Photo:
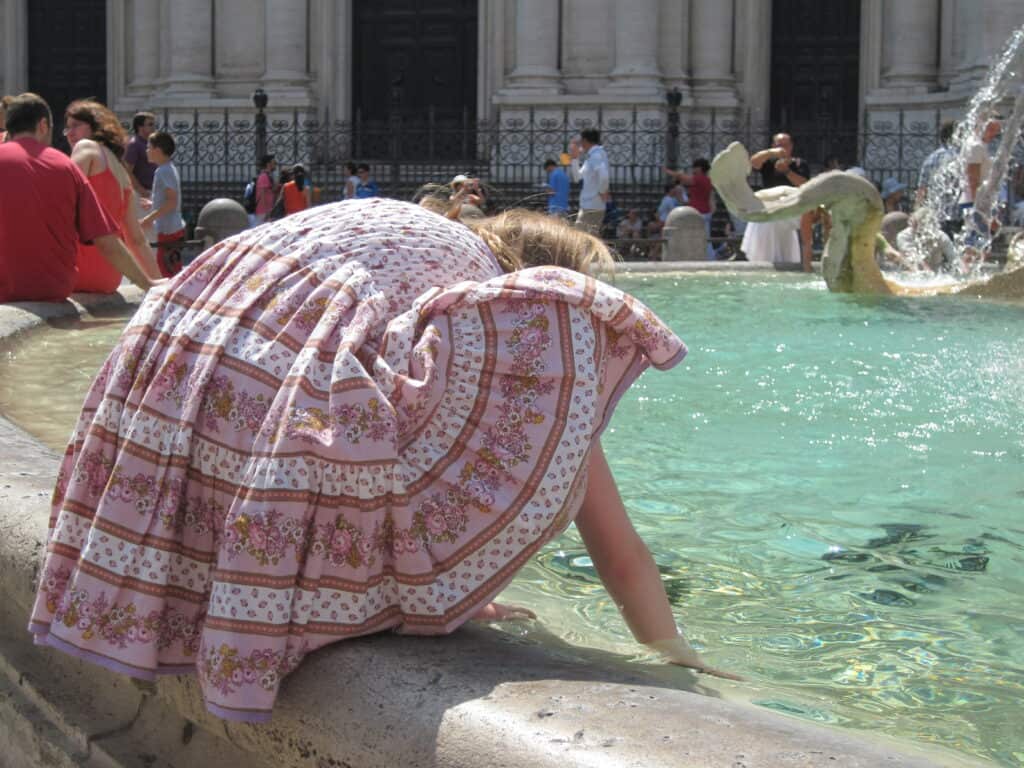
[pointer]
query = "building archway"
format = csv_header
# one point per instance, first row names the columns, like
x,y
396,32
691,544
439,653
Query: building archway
x,y
815,73
414,55
67,53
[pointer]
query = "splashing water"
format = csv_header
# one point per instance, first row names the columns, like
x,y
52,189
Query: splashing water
x,y
944,192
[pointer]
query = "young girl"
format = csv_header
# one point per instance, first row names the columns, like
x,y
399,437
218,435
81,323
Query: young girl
x,y
97,144
298,192
364,416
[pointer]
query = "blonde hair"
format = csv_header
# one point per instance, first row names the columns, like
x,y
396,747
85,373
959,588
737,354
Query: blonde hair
x,y
519,238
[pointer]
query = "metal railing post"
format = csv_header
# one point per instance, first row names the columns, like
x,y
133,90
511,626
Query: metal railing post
x,y
673,98
259,100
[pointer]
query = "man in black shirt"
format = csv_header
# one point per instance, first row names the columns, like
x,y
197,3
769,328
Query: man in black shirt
x,y
778,167
776,241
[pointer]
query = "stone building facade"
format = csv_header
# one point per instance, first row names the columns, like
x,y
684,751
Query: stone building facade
x,y
797,64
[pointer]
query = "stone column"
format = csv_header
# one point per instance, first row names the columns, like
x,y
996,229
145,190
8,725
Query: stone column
x,y
673,47
4,44
335,68
711,44
490,57
5,34
967,42
164,54
947,56
286,72
910,44
240,57
636,69
191,48
754,60
537,32
145,45
14,46
985,30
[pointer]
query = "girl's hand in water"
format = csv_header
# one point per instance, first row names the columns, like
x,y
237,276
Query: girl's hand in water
x,y
677,651
499,612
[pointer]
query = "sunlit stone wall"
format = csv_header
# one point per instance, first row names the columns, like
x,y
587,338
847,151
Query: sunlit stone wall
x,y
923,55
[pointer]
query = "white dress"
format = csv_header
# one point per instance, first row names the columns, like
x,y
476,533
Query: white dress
x,y
345,421
772,241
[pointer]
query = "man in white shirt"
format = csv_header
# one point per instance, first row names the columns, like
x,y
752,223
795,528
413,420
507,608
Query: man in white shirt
x,y
979,160
976,199
595,176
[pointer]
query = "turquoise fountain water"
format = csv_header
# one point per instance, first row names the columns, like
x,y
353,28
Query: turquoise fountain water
x,y
831,485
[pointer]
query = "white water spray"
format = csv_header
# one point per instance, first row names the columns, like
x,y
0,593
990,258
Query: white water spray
x,y
946,185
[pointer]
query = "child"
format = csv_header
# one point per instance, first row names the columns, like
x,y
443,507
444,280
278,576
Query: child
x,y
264,473
366,187
165,215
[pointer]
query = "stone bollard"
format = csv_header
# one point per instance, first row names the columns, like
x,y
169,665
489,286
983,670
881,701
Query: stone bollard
x,y
892,224
220,218
685,236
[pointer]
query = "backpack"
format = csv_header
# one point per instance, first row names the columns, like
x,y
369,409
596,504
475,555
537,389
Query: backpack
x,y
249,197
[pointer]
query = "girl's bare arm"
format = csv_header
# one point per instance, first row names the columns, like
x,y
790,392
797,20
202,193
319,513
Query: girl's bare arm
x,y
627,568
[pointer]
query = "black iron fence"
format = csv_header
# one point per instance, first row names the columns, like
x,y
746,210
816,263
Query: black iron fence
x,y
216,153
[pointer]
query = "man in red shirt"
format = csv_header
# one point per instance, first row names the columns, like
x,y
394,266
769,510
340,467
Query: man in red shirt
x,y
698,187
46,208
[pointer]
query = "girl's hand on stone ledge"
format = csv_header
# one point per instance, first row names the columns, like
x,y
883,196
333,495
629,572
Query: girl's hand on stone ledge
x,y
677,651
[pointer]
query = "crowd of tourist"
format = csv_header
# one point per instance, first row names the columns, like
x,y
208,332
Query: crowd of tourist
x,y
114,208
60,227
137,185
947,189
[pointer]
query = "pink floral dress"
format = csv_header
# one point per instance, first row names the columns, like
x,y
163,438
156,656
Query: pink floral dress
x,y
342,422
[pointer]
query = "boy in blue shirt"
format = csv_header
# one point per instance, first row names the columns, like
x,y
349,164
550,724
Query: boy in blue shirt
x,y
366,187
165,215
557,188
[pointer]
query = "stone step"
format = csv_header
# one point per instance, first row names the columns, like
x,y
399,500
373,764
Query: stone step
x,y
59,711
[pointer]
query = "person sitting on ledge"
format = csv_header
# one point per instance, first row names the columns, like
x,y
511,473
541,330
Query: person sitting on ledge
x,y
47,208
364,416
97,146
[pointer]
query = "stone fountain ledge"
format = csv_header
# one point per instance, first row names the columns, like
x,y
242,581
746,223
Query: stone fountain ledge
x,y
22,315
659,267
479,697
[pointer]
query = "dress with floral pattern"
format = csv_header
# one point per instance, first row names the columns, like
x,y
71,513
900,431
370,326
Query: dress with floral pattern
x,y
341,422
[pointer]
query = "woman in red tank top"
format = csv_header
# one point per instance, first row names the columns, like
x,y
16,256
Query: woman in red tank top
x,y
298,193
97,143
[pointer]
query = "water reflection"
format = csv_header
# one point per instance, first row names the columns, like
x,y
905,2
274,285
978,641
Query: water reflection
x,y
44,374
832,490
